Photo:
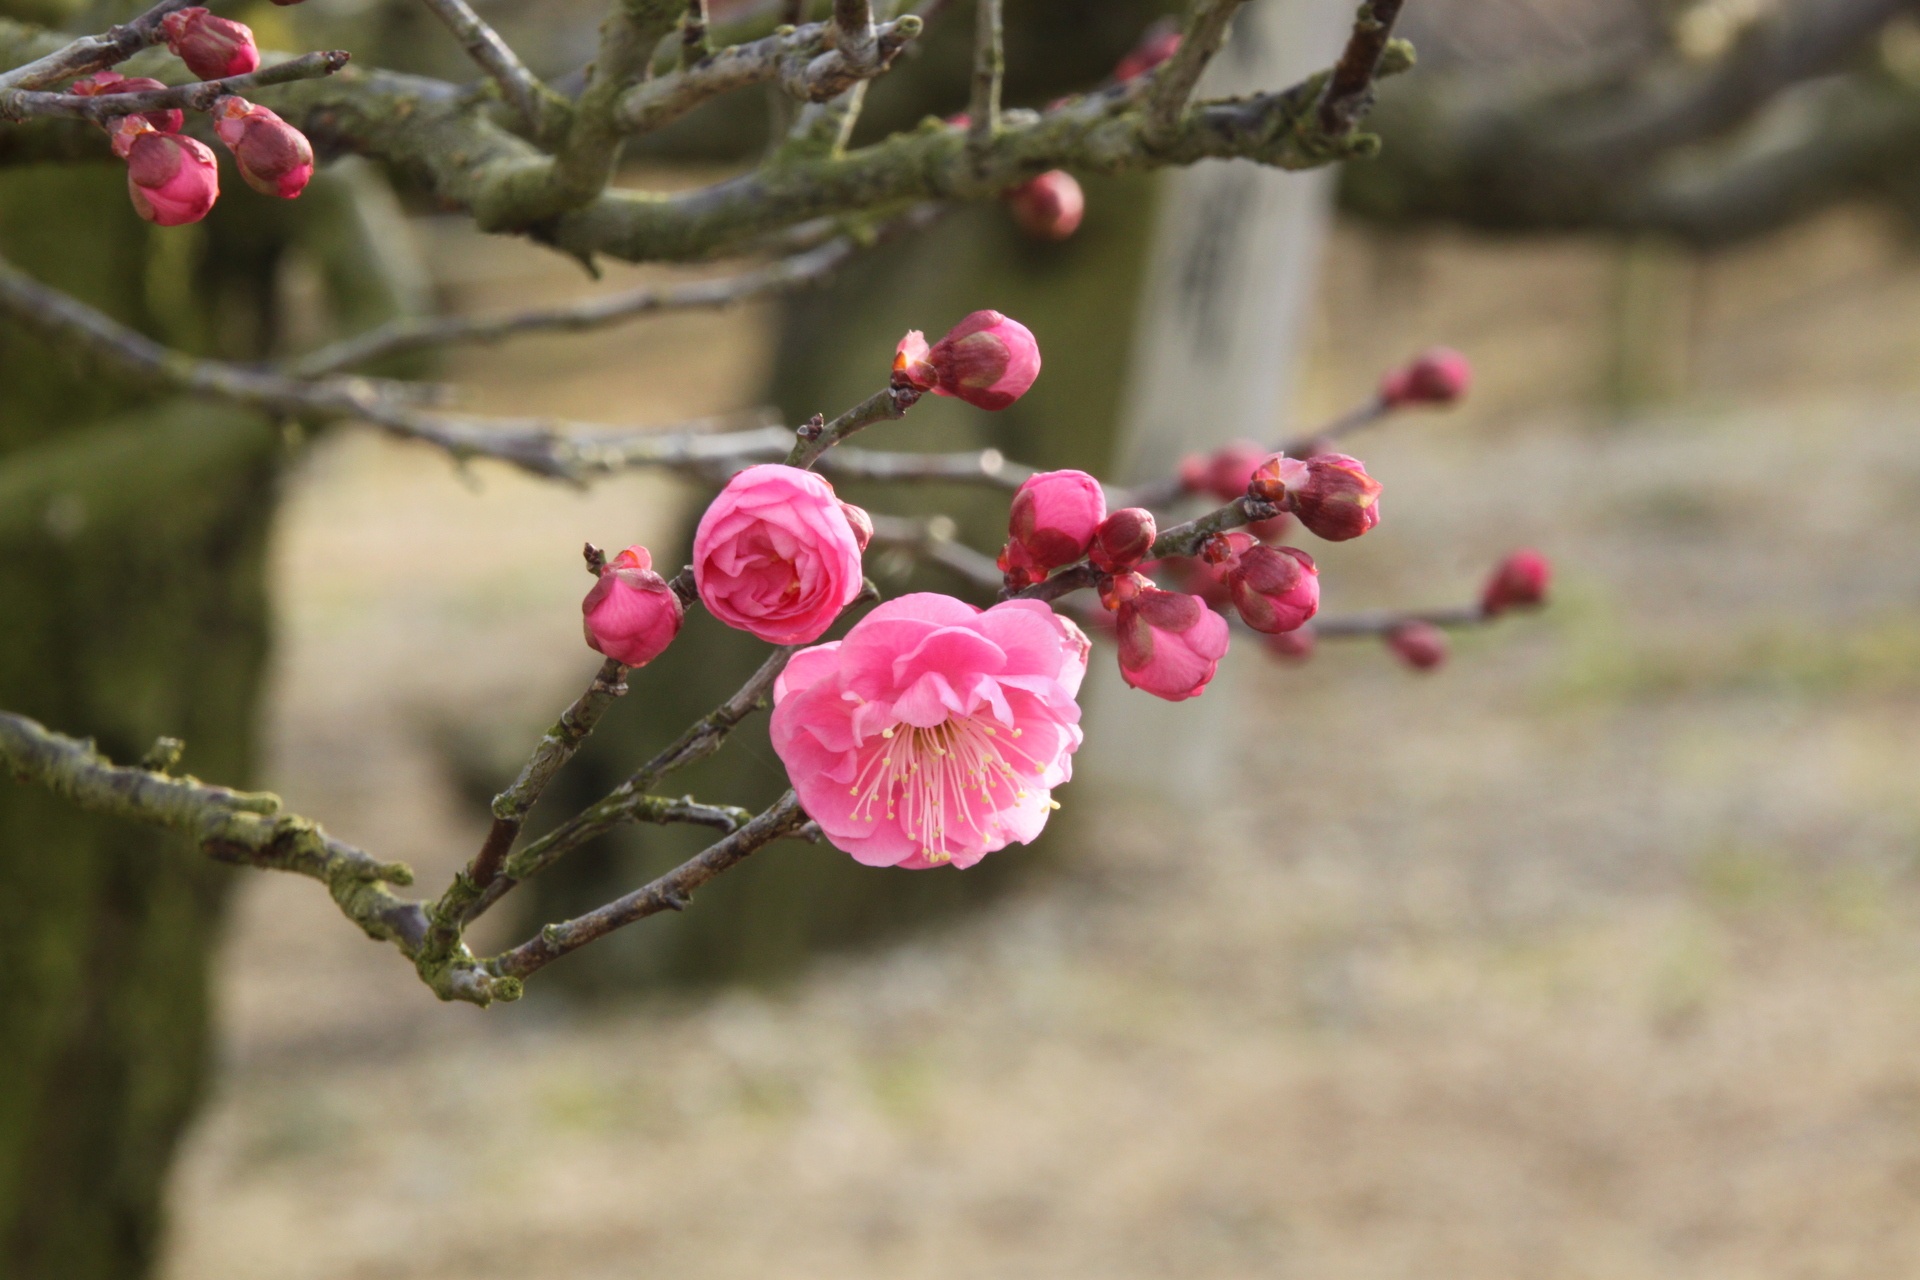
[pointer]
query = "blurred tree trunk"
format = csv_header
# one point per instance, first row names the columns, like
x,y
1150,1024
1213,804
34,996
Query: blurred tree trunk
x,y
133,536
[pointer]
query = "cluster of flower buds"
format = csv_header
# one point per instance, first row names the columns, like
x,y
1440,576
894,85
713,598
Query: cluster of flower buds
x,y
1275,589
171,178
213,48
987,359
631,614
1159,43
1050,524
1331,493
1439,376
274,157
1049,207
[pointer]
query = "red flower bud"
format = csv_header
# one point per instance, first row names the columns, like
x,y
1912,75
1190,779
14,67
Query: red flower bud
x,y
987,360
1170,644
1291,646
1331,493
1053,517
1016,565
171,178
1123,540
1438,376
1519,583
1048,207
631,614
1275,588
274,157
213,48
860,522
1155,47
1225,472
1420,645
168,120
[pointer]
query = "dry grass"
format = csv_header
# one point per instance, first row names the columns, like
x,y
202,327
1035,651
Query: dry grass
x,y
1595,956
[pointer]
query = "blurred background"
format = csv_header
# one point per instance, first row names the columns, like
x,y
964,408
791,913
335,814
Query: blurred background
x,y
1592,954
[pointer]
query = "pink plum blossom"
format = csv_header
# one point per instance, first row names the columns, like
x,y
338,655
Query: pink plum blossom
x,y
167,120
1123,540
1275,589
935,732
1519,582
1048,207
1170,644
274,157
987,359
1053,517
776,555
171,178
213,48
631,614
1331,493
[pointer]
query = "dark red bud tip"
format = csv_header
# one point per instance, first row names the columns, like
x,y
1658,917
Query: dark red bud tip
x,y
1420,645
1520,582
1159,43
1049,207
1123,540
1439,376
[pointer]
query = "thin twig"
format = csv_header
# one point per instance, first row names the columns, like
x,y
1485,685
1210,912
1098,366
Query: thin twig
x,y
989,67
935,540
1350,87
1174,80
693,33
816,438
1382,622
671,892
89,54
521,88
855,37
25,104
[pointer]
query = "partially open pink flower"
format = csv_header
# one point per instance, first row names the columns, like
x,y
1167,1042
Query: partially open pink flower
x,y
1170,644
1224,473
1053,516
1420,645
213,48
631,614
1331,493
168,120
274,157
775,555
934,733
171,178
1438,376
1519,583
1275,589
987,360
1048,207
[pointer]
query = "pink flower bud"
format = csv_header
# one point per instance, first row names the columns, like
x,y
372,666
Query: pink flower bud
x,y
1016,565
1225,472
1438,376
631,614
776,555
274,157
1331,493
1048,207
107,82
1291,646
1123,540
1155,47
1420,645
1520,582
1275,589
1170,644
171,178
1053,518
213,48
860,522
987,360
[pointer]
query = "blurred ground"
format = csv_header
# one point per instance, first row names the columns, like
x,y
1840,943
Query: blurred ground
x,y
1596,955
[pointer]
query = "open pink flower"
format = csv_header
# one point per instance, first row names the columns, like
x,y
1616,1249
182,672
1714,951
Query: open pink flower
x,y
935,732
1170,644
631,614
776,555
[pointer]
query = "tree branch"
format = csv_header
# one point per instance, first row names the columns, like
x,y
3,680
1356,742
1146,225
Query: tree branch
x,y
989,68
520,87
1174,80
89,54
1350,87
21,104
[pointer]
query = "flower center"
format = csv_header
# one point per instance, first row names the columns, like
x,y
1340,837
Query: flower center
x,y
943,782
